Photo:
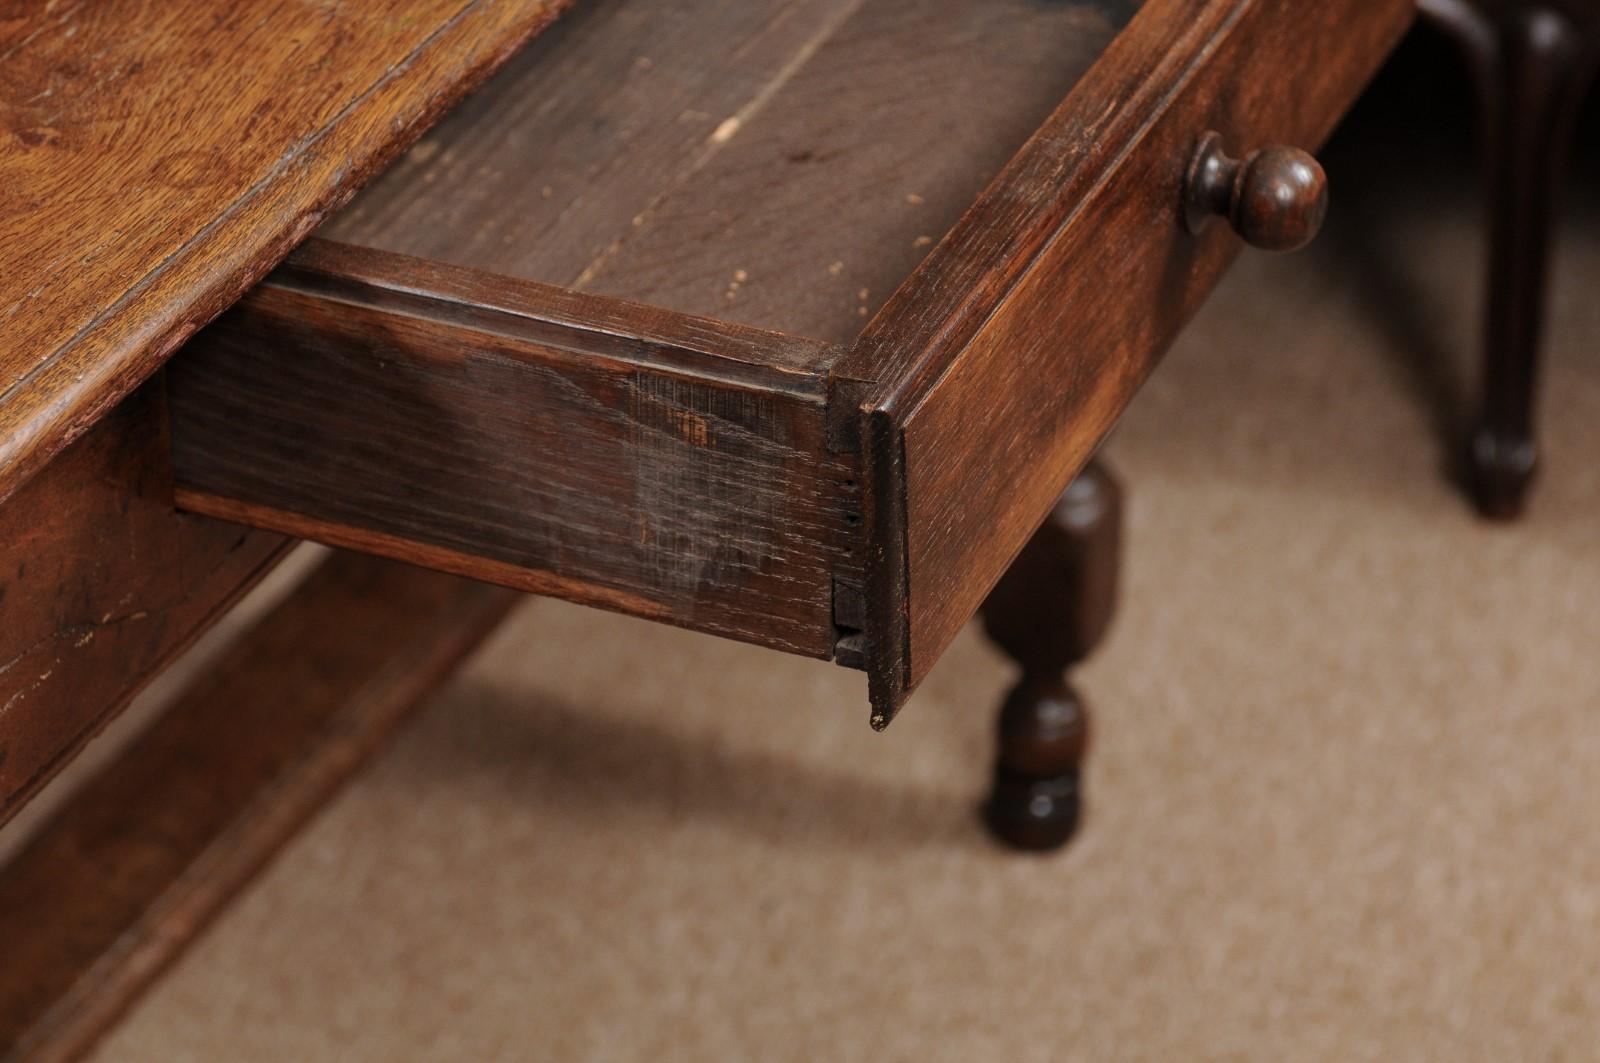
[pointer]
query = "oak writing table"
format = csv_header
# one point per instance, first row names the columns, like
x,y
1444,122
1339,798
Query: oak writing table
x,y
793,321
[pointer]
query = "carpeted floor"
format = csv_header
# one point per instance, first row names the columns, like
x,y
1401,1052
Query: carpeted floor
x,y
1345,789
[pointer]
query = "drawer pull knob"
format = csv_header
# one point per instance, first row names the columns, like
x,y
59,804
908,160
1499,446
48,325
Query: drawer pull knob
x,y
1275,198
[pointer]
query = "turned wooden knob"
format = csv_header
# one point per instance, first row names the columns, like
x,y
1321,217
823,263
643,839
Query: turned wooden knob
x,y
1275,198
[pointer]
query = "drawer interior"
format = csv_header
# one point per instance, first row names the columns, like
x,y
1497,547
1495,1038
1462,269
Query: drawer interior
x,y
777,163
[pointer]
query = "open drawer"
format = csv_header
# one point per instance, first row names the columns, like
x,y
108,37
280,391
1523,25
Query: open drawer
x,y
785,320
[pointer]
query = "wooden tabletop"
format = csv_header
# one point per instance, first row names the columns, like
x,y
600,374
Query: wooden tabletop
x,y
160,157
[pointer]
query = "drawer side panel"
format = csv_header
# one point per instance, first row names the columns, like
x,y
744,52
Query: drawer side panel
x,y
990,411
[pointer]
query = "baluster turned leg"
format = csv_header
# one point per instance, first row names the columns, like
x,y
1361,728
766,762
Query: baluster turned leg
x,y
1048,613
1530,62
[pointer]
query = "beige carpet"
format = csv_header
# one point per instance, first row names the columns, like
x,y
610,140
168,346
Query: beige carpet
x,y
1345,792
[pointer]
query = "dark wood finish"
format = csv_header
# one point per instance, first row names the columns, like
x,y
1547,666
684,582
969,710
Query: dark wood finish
x,y
859,505
615,454
819,151
1048,612
541,173
1275,198
729,185
101,584
1532,62
129,872
994,372
844,495
162,157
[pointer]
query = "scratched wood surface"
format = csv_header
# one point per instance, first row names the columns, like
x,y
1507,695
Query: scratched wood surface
x,y
791,177
819,151
158,158
797,178
101,583
615,454
132,869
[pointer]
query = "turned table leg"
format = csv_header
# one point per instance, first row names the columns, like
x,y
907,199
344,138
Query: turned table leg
x,y
1530,62
1048,612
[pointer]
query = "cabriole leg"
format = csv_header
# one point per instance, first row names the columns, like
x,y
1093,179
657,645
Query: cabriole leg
x,y
1531,64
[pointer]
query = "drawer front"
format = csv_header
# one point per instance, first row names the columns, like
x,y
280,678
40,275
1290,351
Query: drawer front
x,y
999,367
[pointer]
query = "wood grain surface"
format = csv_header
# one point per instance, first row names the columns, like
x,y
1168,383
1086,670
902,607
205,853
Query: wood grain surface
x,y
831,150
789,179
995,371
131,870
616,454
161,157
792,177
101,584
